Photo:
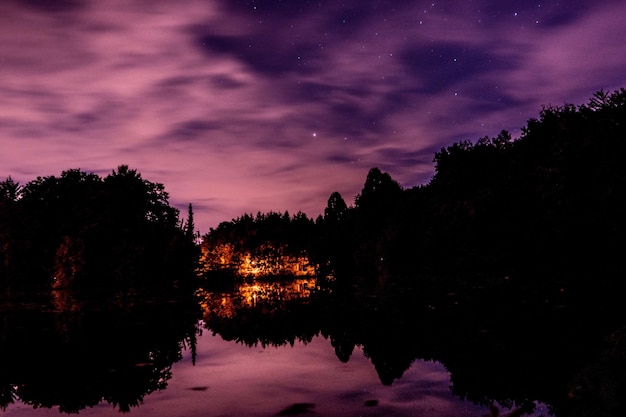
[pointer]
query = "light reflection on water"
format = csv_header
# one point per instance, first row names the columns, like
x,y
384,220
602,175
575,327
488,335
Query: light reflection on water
x,y
230,379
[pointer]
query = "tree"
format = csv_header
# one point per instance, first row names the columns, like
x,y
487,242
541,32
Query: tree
x,y
379,191
189,226
336,208
132,196
86,231
9,190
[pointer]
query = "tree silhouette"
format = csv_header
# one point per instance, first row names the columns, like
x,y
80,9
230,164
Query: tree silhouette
x,y
550,199
335,209
190,226
81,230
9,190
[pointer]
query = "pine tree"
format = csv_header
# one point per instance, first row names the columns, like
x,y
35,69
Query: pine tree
x,y
190,227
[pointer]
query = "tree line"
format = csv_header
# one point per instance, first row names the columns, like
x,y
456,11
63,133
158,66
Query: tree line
x,y
80,230
551,201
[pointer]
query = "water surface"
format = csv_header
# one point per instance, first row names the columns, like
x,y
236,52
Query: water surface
x,y
292,348
231,379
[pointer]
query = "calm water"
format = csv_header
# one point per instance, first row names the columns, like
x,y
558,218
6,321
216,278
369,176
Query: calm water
x,y
230,379
289,349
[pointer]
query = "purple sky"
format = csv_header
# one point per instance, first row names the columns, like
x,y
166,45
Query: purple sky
x,y
241,106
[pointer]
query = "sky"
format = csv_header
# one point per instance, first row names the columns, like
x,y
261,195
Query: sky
x,y
246,106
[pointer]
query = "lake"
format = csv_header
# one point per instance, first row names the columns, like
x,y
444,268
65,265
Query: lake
x,y
258,381
291,348
230,379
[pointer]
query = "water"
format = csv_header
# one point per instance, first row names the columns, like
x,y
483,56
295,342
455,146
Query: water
x,y
291,348
231,379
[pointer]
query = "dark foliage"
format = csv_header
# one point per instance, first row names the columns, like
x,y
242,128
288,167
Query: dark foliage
x,y
82,231
270,236
506,344
249,232
73,355
551,200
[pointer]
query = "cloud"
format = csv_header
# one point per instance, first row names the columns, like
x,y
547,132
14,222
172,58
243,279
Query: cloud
x,y
273,105
439,66
52,6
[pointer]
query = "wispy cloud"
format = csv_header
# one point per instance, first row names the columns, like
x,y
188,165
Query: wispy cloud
x,y
238,107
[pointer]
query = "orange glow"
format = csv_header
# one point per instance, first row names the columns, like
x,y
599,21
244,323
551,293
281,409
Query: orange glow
x,y
251,294
267,261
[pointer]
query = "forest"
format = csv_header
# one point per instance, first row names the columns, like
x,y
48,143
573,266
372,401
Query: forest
x,y
79,230
549,203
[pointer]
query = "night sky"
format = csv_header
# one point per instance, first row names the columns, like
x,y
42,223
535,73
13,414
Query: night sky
x,y
246,106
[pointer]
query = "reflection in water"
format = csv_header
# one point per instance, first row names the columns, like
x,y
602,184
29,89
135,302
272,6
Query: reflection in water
x,y
249,381
303,348
269,313
233,380
250,293
76,354
506,344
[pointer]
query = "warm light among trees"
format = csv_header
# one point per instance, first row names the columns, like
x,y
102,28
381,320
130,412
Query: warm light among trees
x,y
266,260
270,244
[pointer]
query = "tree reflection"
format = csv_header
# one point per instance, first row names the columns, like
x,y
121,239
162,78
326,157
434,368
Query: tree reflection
x,y
505,343
77,357
96,289
269,313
